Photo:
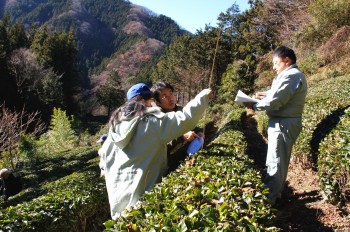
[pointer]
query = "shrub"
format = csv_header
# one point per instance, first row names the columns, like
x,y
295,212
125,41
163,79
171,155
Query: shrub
x,y
265,79
13,125
28,149
310,63
60,136
264,72
326,18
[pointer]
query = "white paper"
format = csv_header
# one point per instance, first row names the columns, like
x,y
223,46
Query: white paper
x,y
242,97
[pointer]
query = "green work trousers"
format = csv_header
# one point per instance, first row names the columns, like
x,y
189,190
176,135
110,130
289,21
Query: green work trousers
x,y
282,134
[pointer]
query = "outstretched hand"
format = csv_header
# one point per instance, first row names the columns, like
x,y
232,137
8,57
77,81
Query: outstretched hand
x,y
189,136
211,94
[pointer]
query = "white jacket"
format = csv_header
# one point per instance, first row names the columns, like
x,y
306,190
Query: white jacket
x,y
286,98
134,154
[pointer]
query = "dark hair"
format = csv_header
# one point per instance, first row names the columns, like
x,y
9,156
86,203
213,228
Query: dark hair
x,y
158,87
132,108
284,52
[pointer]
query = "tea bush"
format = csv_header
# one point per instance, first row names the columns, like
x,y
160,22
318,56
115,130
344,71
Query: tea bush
x,y
67,194
334,162
325,103
218,189
323,142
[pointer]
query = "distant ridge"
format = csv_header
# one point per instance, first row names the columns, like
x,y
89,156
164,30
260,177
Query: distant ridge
x,y
127,35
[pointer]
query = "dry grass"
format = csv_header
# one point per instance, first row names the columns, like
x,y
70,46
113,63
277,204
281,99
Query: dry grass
x,y
337,47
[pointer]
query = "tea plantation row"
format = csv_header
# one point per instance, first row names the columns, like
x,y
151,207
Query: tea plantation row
x,y
334,162
64,193
324,142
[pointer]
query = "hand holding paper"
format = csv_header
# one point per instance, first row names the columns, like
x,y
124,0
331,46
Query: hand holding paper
x,y
242,97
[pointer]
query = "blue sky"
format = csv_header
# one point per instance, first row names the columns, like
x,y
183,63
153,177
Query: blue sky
x,y
191,14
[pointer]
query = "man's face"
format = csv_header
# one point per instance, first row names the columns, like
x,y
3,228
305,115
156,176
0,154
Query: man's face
x,y
280,64
167,100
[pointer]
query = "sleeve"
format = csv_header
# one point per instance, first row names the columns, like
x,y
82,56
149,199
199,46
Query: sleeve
x,y
175,124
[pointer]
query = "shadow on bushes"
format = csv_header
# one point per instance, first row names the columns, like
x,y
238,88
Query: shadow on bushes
x,y
322,130
49,170
256,145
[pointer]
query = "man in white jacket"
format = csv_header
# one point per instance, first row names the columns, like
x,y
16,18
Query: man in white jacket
x,y
284,104
135,152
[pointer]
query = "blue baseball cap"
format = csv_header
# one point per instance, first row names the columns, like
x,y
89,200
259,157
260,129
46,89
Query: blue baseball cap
x,y
138,89
102,138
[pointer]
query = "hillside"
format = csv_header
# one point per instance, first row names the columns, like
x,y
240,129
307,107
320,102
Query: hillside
x,y
219,188
197,195
111,37
104,30
129,62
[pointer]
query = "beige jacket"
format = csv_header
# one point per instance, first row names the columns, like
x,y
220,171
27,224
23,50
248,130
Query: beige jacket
x,y
134,154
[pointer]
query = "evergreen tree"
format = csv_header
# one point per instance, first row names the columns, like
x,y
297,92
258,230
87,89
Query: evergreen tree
x,y
58,51
111,94
61,135
39,88
18,38
234,79
8,91
4,45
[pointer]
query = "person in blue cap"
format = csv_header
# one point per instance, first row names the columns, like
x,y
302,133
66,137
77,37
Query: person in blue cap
x,y
102,138
135,152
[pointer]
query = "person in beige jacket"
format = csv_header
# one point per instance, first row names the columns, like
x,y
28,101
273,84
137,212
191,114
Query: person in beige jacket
x,y
164,97
283,104
134,154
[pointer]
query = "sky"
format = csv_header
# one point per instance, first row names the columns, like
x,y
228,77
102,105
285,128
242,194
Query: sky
x,y
191,14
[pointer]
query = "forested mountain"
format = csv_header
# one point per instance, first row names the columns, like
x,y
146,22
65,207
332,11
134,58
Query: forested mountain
x,y
115,34
115,43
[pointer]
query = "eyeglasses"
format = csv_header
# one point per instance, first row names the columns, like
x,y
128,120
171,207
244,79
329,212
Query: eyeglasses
x,y
167,97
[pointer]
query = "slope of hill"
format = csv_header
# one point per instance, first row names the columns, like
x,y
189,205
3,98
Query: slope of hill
x,y
103,28
198,191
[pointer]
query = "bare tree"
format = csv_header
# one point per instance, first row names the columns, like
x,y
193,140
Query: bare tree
x,y
25,69
13,125
32,79
286,16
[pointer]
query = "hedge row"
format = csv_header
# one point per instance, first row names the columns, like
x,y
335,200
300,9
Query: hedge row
x,y
325,103
218,189
74,202
334,162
